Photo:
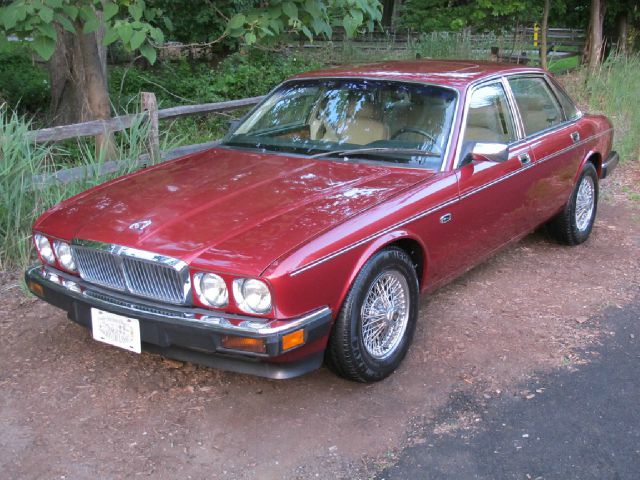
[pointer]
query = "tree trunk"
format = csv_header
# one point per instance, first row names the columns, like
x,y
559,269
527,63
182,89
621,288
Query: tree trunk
x,y
593,47
78,82
543,34
77,72
623,32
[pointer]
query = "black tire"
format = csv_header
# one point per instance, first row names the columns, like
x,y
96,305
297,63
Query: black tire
x,y
564,226
346,353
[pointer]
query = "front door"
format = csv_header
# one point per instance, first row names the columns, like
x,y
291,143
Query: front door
x,y
492,206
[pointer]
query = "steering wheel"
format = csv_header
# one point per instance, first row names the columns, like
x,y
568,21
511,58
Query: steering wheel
x,y
419,131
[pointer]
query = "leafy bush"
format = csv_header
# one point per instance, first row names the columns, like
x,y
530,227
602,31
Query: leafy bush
x,y
178,83
23,83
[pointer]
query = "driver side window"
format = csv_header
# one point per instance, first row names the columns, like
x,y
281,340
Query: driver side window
x,y
489,119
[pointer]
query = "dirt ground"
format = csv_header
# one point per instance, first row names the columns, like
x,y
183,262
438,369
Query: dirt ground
x,y
73,408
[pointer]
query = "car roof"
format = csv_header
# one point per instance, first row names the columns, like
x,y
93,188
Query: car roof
x,y
453,73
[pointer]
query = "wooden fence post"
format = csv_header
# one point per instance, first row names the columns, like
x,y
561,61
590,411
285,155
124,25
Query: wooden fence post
x,y
148,104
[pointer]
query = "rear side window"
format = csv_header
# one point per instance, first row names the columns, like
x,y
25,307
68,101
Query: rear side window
x,y
538,107
571,112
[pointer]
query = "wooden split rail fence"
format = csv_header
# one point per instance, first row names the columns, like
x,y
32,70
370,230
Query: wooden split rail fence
x,y
149,112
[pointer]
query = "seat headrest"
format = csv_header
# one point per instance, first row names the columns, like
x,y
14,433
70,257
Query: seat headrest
x,y
366,110
482,117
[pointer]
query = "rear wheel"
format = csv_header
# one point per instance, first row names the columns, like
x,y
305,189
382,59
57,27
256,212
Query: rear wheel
x,y
573,225
375,326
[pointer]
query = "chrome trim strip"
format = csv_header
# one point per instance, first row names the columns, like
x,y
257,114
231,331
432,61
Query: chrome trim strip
x,y
504,79
515,114
217,321
515,111
348,248
131,252
445,204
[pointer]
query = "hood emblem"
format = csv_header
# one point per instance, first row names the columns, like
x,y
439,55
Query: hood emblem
x,y
140,226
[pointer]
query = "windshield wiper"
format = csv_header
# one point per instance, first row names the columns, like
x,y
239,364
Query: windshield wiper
x,y
346,153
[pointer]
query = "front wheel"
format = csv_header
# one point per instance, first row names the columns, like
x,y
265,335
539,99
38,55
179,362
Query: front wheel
x,y
375,326
573,225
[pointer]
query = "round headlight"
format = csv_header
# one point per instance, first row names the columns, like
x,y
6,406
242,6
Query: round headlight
x,y
252,295
44,248
63,252
211,289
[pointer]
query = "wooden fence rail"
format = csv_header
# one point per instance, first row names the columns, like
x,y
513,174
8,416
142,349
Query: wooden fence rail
x,y
150,113
116,124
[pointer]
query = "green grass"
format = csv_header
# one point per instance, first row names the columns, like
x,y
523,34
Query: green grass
x,y
562,65
21,201
613,90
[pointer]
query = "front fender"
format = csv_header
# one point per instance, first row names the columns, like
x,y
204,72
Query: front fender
x,y
377,245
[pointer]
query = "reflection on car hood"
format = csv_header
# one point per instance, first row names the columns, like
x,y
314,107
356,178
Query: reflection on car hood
x,y
235,211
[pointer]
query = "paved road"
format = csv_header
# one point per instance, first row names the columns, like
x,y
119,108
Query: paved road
x,y
585,424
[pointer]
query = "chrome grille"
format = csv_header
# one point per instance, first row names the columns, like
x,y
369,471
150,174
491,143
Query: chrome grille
x,y
97,266
153,280
141,273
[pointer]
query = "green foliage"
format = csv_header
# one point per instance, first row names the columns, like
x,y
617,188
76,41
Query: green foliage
x,y
23,83
23,165
238,76
129,21
613,89
200,20
448,15
307,17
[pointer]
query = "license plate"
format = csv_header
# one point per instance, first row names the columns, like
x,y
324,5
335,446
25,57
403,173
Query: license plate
x,y
116,330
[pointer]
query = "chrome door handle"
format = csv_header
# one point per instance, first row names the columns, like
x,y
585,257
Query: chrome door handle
x,y
575,136
524,158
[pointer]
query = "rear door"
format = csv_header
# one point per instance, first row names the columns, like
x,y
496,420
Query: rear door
x,y
555,141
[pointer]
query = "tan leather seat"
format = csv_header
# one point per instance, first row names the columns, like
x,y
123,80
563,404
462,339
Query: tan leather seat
x,y
428,117
361,126
533,114
483,125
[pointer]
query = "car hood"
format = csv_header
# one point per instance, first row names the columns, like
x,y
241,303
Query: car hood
x,y
228,210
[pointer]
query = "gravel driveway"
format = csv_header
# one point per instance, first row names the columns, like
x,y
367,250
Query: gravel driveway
x,y
73,408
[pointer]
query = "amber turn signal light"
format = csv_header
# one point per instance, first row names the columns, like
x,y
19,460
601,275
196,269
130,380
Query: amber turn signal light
x,y
292,339
36,289
247,344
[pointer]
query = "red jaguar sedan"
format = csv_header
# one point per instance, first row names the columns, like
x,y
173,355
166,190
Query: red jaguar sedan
x,y
307,234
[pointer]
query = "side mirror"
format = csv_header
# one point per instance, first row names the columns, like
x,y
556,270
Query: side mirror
x,y
484,152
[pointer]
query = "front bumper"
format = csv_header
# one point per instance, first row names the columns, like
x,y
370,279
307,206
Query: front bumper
x,y
609,165
189,333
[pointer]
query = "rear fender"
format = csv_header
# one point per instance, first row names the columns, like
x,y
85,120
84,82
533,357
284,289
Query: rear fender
x,y
591,156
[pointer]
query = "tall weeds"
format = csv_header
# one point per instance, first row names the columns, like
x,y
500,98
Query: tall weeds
x,y
28,185
614,90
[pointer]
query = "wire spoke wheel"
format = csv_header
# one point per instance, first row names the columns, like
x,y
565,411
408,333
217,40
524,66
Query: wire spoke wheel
x,y
385,314
585,201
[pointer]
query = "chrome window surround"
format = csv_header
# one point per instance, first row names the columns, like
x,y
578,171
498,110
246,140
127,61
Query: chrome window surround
x,y
522,137
120,254
454,119
556,88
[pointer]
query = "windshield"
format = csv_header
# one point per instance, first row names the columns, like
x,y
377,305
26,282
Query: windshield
x,y
391,120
